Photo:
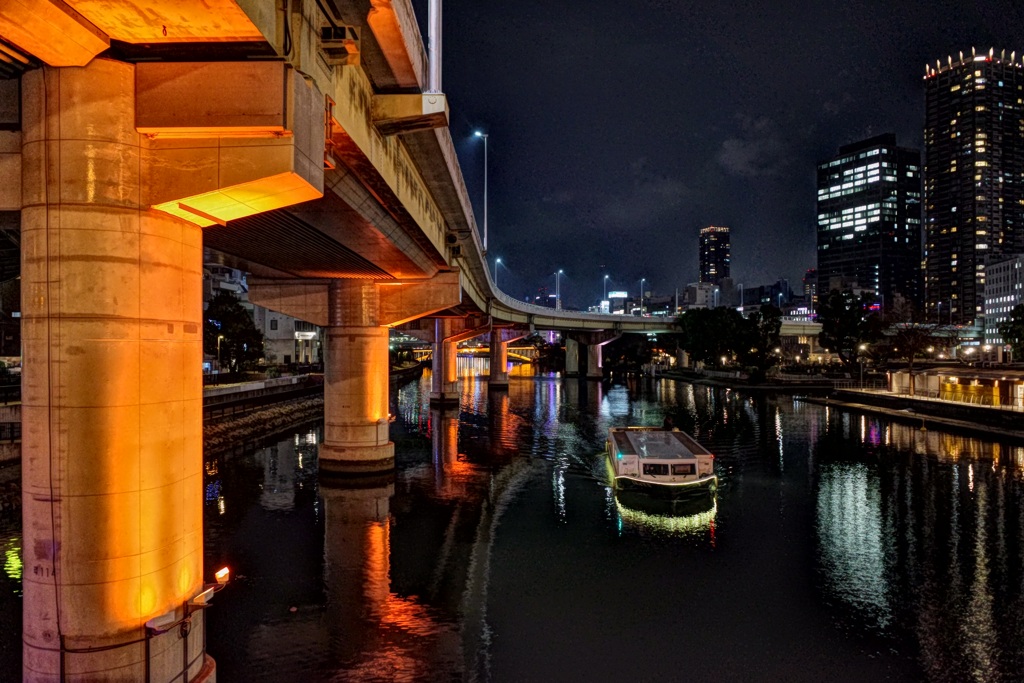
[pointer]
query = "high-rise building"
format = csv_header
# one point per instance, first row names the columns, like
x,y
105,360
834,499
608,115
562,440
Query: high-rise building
x,y
869,219
811,288
1004,290
714,254
973,168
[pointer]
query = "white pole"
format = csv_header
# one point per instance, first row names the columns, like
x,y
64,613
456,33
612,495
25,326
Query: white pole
x,y
434,42
485,191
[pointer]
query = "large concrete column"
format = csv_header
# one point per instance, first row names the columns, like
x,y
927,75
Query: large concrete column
x,y
499,361
112,393
355,382
595,370
572,357
444,389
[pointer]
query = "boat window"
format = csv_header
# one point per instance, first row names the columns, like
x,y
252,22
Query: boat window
x,y
687,468
655,468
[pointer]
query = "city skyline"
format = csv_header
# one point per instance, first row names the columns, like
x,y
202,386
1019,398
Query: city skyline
x,y
730,132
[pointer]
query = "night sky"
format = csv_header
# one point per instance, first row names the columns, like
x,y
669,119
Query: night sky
x,y
619,129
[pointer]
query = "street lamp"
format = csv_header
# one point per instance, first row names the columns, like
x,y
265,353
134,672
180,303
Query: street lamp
x,y
605,288
219,337
558,290
642,281
860,361
481,134
780,301
496,262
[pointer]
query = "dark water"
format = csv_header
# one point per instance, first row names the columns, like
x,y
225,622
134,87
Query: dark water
x,y
838,548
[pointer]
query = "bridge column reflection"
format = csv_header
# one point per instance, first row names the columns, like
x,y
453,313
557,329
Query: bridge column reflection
x,y
356,563
112,392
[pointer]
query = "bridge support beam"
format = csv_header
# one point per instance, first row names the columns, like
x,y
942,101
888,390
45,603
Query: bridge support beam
x,y
356,366
112,393
444,387
595,369
592,343
500,339
572,357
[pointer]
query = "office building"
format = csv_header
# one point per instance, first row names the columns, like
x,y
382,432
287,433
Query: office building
x,y
869,219
973,167
714,254
1004,289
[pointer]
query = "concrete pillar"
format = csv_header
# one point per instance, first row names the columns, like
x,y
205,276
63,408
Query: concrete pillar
x,y
444,389
572,357
499,361
356,417
112,393
595,369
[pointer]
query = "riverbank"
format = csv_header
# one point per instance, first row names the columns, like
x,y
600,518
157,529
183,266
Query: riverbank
x,y
985,421
228,433
811,384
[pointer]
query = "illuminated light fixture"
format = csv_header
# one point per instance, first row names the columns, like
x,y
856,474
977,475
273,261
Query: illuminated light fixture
x,y
223,575
162,623
203,599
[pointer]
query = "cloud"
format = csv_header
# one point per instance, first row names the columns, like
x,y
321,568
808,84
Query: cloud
x,y
757,150
647,195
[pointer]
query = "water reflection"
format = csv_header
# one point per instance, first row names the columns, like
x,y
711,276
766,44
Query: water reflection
x,y
498,549
923,530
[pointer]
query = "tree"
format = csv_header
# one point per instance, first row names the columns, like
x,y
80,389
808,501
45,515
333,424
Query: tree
x,y
241,344
909,336
1012,332
710,334
760,339
846,323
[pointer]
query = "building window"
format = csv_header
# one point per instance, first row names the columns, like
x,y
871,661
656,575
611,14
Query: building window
x,y
273,323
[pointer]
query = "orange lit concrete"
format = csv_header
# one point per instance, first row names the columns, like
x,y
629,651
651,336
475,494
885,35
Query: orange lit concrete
x,y
444,388
112,393
52,30
356,383
500,339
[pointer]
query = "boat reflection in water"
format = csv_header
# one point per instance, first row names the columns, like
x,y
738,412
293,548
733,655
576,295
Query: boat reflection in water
x,y
692,517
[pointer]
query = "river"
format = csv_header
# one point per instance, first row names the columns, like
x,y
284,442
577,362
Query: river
x,y
838,547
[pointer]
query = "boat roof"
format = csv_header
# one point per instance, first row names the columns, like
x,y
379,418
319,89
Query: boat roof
x,y
657,443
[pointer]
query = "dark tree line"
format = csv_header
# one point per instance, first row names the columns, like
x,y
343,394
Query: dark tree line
x,y
722,336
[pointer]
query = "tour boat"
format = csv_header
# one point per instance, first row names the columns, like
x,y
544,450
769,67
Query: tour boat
x,y
659,459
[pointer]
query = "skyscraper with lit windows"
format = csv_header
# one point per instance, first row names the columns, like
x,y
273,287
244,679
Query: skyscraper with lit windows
x,y
869,220
973,172
714,254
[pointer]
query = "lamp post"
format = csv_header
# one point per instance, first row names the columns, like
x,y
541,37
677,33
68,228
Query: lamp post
x,y
558,290
496,262
642,280
219,337
860,361
605,298
481,134
780,301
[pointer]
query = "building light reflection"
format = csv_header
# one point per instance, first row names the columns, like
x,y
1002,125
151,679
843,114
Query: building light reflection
x,y
12,560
